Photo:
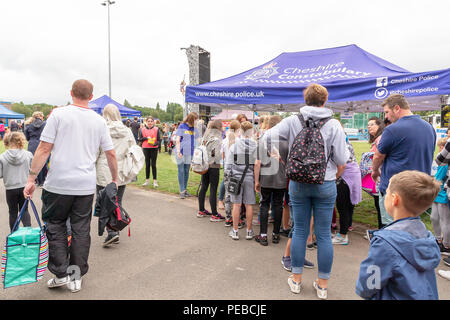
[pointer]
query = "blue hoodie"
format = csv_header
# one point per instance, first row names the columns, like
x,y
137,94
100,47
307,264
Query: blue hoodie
x,y
402,258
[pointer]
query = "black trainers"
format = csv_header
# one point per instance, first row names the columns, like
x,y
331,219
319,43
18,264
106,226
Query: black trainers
x,y
445,251
262,240
446,261
241,224
275,238
285,232
110,239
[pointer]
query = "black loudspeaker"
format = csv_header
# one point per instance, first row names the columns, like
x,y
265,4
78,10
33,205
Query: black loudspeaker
x,y
204,67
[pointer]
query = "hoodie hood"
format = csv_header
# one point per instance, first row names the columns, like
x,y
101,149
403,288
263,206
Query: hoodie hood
x,y
316,113
15,157
117,129
37,123
413,242
246,146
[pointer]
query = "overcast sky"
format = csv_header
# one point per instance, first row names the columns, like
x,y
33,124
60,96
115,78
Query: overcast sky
x,y
47,44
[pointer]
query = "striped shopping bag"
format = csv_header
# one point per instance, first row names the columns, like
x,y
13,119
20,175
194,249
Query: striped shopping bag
x,y
25,255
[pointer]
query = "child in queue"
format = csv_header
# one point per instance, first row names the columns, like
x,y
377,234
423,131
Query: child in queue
x,y
15,163
242,160
403,255
270,181
230,139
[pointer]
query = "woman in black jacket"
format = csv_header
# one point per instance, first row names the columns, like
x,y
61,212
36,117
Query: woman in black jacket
x,y
33,134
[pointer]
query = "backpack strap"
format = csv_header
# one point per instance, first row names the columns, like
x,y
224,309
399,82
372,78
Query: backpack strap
x,y
318,123
321,122
302,120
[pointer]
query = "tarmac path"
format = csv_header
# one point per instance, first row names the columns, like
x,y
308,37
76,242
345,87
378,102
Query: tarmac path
x,y
174,255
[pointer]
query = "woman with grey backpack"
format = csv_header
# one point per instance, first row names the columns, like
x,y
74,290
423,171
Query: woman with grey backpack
x,y
315,136
212,140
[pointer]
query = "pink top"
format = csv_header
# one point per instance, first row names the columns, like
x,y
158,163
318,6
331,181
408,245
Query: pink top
x,y
374,146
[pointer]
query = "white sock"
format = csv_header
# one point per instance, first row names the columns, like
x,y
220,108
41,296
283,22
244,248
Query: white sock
x,y
263,234
235,230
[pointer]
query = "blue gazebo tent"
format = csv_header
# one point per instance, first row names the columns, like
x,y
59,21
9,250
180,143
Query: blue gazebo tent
x,y
99,104
5,113
357,81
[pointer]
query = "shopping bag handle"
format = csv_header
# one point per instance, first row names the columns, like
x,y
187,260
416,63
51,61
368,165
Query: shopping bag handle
x,y
24,207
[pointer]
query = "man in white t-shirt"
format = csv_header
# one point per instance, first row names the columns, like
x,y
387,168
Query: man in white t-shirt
x,y
73,137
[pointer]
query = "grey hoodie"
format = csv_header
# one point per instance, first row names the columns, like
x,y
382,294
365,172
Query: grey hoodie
x,y
15,165
241,147
332,133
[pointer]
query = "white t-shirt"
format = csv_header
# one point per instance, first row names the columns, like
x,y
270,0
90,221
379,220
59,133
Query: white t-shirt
x,y
77,134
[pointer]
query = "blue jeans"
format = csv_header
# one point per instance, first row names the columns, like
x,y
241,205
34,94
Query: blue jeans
x,y
184,164
222,190
319,199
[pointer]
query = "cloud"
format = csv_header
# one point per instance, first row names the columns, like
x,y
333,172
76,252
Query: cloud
x,y
46,44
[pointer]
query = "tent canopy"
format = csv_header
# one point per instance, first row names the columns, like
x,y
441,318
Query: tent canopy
x,y
355,79
5,113
99,104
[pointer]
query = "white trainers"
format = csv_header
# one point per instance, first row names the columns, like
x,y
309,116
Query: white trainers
x,y
321,293
58,282
250,235
74,285
339,239
145,184
155,184
295,287
234,234
444,274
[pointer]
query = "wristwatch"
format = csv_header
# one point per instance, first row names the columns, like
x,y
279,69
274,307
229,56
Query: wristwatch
x,y
32,173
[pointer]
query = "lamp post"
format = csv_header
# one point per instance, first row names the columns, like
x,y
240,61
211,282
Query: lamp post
x,y
107,3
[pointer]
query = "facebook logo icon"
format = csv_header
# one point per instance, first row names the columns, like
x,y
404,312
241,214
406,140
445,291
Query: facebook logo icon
x,y
382,82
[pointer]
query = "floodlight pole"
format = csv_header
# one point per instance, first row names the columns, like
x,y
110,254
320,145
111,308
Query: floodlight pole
x,y
107,3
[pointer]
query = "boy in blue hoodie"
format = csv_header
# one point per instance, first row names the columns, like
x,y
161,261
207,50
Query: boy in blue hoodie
x,y
404,254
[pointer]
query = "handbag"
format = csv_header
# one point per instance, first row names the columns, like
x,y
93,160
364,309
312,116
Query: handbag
x,y
119,219
234,184
25,255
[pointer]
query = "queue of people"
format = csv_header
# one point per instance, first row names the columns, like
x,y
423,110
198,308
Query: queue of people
x,y
302,167
247,153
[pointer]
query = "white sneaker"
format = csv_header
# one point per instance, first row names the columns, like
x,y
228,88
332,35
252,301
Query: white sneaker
x,y
444,274
339,239
295,287
155,184
74,285
250,235
58,282
321,293
145,184
234,234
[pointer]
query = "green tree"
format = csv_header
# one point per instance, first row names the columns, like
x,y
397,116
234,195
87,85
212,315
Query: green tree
x,y
23,109
127,104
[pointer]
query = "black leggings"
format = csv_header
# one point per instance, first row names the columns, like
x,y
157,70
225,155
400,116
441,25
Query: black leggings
x,y
377,206
211,179
277,208
15,200
344,207
151,154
